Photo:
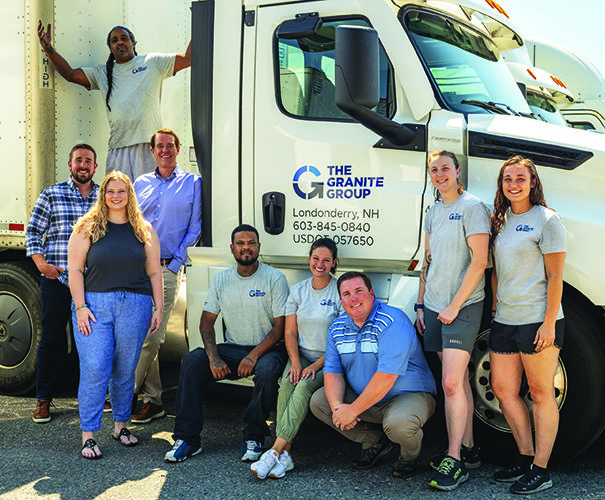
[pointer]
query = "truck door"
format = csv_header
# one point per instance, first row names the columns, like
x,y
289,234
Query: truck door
x,y
316,171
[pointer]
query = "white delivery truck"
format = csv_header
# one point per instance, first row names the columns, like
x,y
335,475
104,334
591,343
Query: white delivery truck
x,y
43,116
545,94
580,76
276,151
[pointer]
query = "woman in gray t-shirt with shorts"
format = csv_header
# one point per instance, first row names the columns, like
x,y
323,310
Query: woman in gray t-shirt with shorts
x,y
450,306
529,246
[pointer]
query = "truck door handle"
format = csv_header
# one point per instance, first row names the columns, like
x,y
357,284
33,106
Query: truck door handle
x,y
274,211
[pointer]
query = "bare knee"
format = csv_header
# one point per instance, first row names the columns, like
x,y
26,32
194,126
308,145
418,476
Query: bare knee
x,y
452,385
542,394
504,391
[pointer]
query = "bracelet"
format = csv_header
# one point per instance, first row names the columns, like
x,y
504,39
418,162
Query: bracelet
x,y
418,307
81,306
156,309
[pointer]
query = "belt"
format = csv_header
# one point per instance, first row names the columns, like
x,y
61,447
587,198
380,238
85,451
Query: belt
x,y
165,262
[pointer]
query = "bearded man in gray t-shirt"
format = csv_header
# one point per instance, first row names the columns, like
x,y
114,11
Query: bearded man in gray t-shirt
x,y
252,298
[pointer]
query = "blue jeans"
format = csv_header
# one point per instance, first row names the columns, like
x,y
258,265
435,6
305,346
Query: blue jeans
x,y
196,374
56,302
109,355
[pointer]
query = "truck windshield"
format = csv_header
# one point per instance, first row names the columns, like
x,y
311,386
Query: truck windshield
x,y
544,107
464,64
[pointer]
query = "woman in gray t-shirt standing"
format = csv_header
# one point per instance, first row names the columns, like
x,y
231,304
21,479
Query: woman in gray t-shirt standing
x,y
529,245
450,306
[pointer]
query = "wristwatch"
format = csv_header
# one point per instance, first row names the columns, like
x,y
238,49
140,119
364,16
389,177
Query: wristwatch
x,y
418,306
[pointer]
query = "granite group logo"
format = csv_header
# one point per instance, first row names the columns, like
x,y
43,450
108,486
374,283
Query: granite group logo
x,y
317,187
257,293
340,181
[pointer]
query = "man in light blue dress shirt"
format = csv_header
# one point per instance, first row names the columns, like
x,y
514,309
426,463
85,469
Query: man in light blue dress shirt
x,y
171,200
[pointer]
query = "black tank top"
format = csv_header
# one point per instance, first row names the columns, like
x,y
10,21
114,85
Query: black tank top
x,y
116,262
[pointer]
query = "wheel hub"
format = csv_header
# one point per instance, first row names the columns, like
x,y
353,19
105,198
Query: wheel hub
x,y
15,330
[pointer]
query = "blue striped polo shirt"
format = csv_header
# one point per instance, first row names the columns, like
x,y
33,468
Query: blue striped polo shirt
x,y
385,343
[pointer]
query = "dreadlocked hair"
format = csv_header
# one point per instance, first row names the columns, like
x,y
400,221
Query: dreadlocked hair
x,y
502,203
94,222
111,60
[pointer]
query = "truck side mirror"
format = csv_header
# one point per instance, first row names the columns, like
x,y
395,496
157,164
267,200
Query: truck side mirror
x,y
357,82
357,63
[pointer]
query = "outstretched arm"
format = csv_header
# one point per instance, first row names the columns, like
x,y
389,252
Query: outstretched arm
x,y
183,61
59,63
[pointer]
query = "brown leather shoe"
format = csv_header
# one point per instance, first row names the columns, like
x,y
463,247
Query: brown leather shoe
x,y
107,406
148,412
42,412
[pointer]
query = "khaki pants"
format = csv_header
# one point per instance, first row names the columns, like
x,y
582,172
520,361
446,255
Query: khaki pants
x,y
147,375
401,419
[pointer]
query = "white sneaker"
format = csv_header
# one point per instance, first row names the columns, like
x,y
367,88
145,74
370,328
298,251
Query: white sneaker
x,y
267,461
284,465
252,451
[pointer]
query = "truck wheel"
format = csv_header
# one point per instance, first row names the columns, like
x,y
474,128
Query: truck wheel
x,y
579,388
20,328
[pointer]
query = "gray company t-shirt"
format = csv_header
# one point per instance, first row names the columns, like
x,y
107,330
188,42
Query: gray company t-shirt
x,y
519,254
315,310
249,303
448,226
135,96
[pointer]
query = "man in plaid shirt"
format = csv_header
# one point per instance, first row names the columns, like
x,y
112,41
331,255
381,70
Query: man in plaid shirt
x,y
56,211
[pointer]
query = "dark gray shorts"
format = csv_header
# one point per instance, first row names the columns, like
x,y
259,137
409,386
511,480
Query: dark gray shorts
x,y
512,339
459,334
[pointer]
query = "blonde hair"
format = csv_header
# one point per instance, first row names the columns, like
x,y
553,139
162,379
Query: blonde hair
x,y
94,222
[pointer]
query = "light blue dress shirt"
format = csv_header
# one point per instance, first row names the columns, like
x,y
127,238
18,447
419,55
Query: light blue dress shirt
x,y
173,206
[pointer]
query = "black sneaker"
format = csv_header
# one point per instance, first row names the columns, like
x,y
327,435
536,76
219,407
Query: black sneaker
x,y
450,474
468,456
536,479
404,468
514,471
370,456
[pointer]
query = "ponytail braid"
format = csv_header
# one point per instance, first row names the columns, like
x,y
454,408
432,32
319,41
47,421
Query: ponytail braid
x,y
111,60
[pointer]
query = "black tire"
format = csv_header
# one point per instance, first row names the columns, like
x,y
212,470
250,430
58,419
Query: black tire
x,y
579,383
20,327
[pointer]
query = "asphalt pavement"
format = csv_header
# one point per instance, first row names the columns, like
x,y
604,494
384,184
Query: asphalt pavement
x,y
43,460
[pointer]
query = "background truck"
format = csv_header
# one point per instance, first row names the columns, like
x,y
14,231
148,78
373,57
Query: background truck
x,y
580,76
275,150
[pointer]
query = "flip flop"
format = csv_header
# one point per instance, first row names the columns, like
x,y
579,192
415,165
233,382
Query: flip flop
x,y
91,443
124,432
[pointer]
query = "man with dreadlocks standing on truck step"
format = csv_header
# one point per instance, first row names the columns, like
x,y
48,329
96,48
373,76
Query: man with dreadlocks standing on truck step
x,y
132,87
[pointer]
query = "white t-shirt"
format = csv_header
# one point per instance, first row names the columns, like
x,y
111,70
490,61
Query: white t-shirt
x,y
249,304
448,226
315,310
519,252
135,96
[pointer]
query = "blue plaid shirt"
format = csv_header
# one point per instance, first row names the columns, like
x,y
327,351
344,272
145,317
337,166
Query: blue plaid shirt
x,y
55,213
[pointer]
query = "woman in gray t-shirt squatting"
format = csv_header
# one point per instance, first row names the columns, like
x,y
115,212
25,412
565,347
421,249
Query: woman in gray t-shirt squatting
x,y
529,245
450,305
312,306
